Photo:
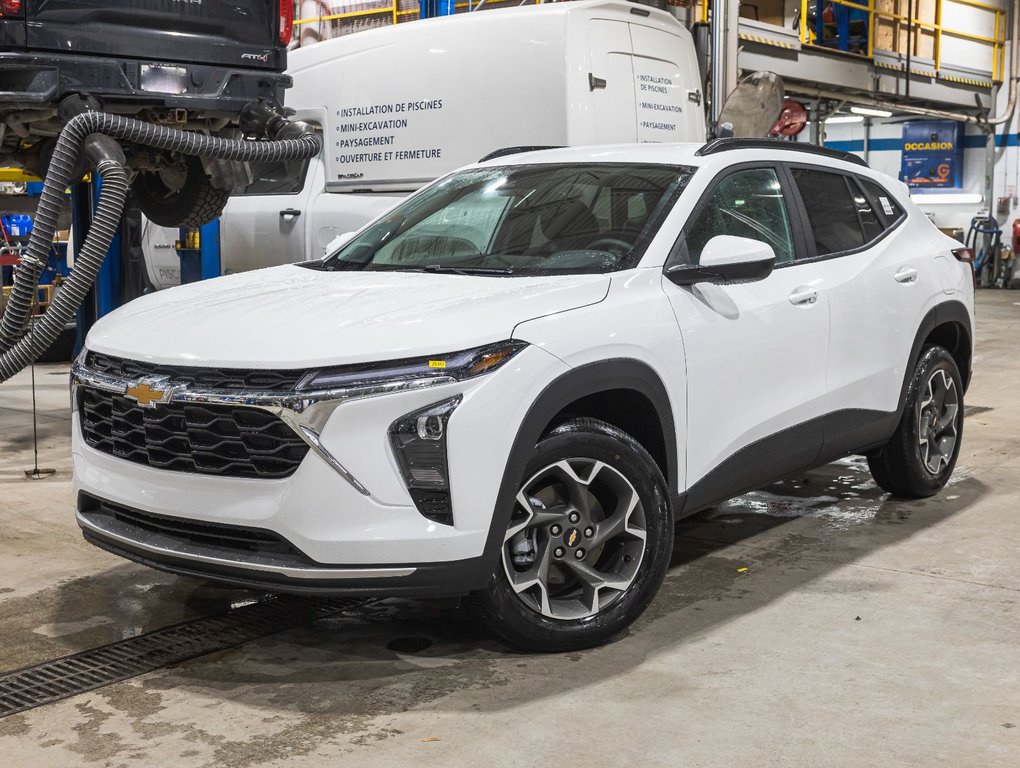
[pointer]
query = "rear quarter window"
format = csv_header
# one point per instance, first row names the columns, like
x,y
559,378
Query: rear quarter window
x,y
888,208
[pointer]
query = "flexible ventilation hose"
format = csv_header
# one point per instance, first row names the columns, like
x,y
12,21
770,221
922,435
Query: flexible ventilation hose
x,y
69,296
18,350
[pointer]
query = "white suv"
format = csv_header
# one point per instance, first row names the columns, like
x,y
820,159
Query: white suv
x,y
513,383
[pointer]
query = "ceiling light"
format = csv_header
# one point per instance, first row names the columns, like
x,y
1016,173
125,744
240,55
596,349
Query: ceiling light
x,y
870,112
844,119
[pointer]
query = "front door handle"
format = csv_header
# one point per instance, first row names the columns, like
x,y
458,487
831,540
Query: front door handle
x,y
905,275
289,214
803,295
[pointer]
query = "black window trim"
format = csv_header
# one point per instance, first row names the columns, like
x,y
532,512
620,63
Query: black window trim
x,y
806,223
679,254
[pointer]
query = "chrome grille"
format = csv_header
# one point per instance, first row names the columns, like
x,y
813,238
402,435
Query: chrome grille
x,y
231,441
203,378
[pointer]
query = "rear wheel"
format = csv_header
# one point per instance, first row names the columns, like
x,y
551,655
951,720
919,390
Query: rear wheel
x,y
919,459
588,542
181,195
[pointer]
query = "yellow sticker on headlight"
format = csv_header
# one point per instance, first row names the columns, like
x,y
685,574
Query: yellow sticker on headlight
x,y
437,363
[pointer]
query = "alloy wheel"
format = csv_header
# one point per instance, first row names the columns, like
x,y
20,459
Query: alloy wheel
x,y
576,539
938,416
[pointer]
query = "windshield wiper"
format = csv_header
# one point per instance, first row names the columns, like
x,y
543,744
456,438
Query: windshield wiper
x,y
441,269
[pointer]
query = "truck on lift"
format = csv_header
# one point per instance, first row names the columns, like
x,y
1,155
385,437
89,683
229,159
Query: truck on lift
x,y
401,106
184,63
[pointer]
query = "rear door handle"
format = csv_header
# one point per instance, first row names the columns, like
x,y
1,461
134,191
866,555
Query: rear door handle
x,y
804,295
289,214
905,275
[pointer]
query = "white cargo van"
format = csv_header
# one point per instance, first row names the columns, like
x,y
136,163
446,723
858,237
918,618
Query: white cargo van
x,y
402,105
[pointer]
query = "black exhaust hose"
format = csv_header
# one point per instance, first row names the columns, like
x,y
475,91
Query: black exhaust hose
x,y
108,158
62,165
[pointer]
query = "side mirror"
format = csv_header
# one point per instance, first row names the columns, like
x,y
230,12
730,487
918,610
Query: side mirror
x,y
338,242
727,259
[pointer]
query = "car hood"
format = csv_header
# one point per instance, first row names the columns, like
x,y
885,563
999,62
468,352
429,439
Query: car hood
x,y
294,317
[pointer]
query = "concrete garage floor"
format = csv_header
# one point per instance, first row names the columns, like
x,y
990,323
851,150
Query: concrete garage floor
x,y
813,623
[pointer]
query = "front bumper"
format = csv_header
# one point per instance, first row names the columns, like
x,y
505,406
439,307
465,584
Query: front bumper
x,y
33,80
292,575
348,541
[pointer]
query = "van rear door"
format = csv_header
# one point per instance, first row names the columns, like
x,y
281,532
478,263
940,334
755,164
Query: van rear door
x,y
611,81
667,86
239,33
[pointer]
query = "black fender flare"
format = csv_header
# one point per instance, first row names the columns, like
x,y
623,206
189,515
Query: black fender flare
x,y
616,373
951,311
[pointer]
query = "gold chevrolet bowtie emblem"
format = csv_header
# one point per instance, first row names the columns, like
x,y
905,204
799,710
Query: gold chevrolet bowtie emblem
x,y
572,539
148,394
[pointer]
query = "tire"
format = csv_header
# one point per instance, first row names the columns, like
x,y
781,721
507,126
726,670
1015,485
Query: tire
x,y
191,203
581,467
917,463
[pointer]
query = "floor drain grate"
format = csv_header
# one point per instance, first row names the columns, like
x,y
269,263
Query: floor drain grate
x,y
85,671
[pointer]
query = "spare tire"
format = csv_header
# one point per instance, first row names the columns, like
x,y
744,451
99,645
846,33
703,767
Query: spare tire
x,y
186,198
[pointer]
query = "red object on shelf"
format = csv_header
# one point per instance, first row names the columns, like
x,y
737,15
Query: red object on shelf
x,y
1016,235
9,260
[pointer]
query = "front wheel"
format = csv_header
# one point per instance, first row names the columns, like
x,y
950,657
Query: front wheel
x,y
588,543
919,459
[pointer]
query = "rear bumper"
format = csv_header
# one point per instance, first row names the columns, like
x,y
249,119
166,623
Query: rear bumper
x,y
291,573
33,80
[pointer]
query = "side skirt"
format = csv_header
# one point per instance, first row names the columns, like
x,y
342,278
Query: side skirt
x,y
799,448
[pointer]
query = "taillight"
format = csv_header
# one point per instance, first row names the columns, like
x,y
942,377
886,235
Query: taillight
x,y
964,254
10,7
286,20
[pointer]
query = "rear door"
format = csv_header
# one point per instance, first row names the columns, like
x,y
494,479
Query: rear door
x,y
755,352
880,281
611,81
667,92
237,33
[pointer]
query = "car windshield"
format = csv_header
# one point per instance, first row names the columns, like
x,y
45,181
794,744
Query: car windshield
x,y
522,220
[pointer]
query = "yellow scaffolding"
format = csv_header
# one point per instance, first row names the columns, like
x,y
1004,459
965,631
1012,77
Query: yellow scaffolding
x,y
997,42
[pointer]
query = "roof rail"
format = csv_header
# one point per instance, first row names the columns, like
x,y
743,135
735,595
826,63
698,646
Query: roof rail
x,y
515,151
723,145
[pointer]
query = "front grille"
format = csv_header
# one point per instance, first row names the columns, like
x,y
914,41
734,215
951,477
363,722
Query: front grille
x,y
203,378
230,441
197,533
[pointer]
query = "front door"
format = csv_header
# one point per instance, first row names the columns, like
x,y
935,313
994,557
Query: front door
x,y
755,352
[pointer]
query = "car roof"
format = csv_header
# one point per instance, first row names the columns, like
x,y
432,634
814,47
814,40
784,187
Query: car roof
x,y
680,153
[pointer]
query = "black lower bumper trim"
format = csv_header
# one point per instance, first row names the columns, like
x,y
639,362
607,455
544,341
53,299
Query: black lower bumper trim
x,y
45,79
458,577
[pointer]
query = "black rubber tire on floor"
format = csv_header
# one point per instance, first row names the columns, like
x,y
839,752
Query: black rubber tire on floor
x,y
508,616
898,466
197,202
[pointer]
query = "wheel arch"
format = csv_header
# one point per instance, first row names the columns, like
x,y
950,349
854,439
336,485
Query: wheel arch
x,y
612,385
948,325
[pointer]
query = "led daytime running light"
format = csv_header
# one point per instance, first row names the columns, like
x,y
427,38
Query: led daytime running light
x,y
456,366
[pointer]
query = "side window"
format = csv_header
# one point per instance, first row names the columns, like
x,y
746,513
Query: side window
x,y
745,204
888,206
831,209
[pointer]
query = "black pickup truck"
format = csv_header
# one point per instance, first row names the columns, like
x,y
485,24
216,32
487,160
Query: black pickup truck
x,y
191,64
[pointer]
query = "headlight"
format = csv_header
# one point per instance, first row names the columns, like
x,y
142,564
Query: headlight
x,y
456,366
419,442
